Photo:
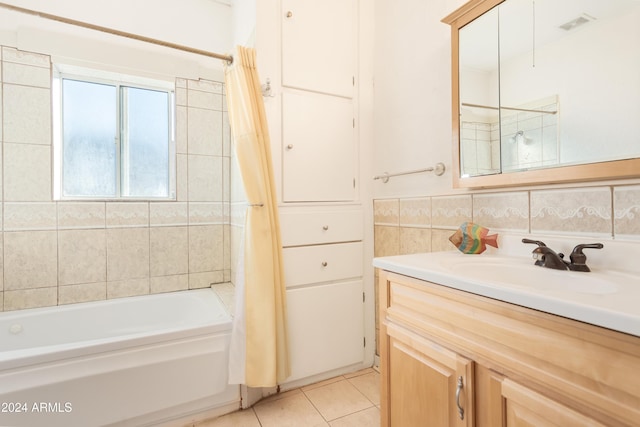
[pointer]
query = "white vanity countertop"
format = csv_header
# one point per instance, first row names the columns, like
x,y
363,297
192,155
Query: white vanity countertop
x,y
609,299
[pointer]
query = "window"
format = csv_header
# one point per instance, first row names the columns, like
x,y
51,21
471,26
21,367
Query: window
x,y
114,139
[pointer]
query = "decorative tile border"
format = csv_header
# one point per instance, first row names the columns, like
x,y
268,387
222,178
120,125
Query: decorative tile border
x,y
502,211
569,211
626,211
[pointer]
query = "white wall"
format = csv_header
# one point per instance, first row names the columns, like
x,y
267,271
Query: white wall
x,y
200,24
412,101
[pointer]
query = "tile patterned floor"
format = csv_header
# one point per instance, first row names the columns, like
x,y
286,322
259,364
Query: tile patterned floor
x,y
351,400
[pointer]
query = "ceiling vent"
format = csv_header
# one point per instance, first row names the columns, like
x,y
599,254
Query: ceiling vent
x,y
575,23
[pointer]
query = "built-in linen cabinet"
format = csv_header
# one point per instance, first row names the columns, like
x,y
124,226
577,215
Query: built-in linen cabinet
x,y
451,358
321,214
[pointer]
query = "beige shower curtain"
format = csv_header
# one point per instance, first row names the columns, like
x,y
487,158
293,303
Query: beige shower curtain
x,y
266,346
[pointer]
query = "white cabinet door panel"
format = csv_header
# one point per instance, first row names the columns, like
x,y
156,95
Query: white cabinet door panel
x,y
326,328
319,151
318,45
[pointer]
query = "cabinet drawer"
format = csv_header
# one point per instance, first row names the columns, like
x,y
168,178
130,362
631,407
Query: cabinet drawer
x,y
308,228
323,263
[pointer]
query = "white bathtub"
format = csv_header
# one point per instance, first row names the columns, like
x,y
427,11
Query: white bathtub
x,y
139,361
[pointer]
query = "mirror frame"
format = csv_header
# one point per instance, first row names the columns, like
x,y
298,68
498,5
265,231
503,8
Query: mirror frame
x,y
617,169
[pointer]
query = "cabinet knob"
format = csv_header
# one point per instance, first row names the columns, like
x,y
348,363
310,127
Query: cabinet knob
x,y
289,14
325,228
290,147
324,263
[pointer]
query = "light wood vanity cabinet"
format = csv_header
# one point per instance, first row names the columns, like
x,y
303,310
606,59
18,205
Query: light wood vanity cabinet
x,y
443,350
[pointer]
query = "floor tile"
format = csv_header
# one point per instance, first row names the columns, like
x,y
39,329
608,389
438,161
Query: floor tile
x,y
246,418
367,418
369,385
338,399
360,372
292,411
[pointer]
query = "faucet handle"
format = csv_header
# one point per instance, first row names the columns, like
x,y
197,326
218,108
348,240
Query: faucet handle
x,y
536,242
579,259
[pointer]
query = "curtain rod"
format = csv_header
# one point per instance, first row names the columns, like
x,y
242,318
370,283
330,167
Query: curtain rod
x,y
82,24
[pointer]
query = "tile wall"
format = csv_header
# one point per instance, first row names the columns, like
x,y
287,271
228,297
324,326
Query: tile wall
x,y
61,252
411,225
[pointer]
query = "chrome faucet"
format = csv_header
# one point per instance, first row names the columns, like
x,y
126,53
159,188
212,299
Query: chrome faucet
x,y
547,257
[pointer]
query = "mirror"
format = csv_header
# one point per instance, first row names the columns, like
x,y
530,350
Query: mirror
x,y
545,91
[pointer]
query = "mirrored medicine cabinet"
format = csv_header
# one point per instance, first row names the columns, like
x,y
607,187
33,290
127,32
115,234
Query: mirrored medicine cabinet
x,y
545,91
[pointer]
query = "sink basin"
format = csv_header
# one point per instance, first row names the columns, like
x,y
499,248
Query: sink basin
x,y
531,276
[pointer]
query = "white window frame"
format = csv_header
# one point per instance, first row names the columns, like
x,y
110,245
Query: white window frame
x,y
62,72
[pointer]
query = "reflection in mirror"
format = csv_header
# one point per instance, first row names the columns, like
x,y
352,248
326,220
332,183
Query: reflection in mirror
x,y
480,107
569,84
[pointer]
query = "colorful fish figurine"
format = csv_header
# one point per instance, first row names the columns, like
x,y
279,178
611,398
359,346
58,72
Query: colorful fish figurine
x,y
472,238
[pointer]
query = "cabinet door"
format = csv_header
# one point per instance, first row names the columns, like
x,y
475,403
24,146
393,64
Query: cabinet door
x,y
318,45
326,328
527,408
428,385
319,151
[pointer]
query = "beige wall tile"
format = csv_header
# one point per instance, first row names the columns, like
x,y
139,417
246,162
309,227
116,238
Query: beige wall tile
x,y
206,248
386,212
127,253
450,211
208,213
386,240
177,282
181,96
29,216
127,288
440,240
204,134
207,100
576,210
81,215
1,301
27,75
502,211
414,240
169,251
415,212
10,54
181,129
170,213
205,85
205,279
205,178
626,202
127,214
30,298
30,260
82,256
182,178
27,173
84,292
26,114
226,136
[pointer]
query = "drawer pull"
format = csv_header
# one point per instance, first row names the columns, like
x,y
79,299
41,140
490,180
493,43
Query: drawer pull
x,y
325,228
324,263
458,390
